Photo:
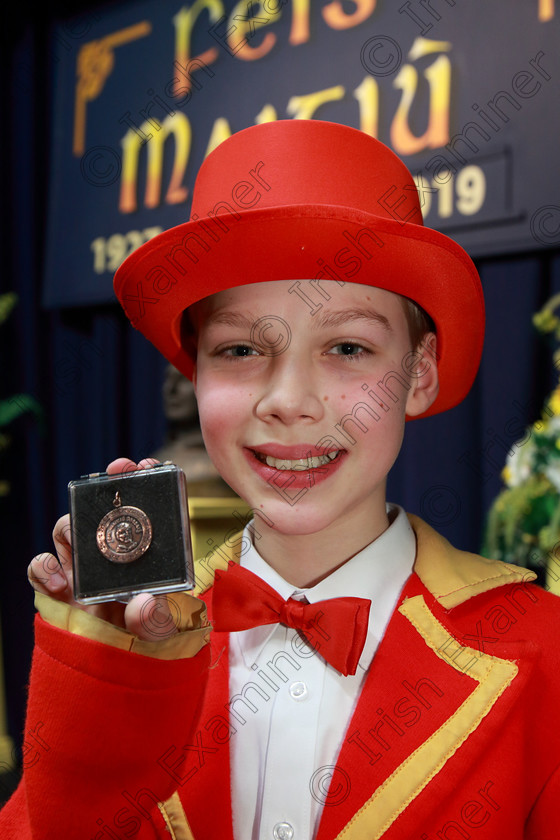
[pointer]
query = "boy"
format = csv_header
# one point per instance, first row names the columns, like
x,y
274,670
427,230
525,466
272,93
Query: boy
x,y
363,678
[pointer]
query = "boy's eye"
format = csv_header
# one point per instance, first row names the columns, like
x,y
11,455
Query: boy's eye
x,y
347,348
239,351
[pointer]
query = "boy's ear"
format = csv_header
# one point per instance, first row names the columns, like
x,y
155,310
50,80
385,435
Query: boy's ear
x,y
424,378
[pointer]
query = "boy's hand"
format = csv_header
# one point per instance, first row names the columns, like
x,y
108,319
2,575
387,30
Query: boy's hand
x,y
146,616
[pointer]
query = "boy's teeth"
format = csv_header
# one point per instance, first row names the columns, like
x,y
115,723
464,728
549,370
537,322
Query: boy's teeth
x,y
309,463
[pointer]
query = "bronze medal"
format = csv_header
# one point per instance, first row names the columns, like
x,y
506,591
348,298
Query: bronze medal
x,y
124,534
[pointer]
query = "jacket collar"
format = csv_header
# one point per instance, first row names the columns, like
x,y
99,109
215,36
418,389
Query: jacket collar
x,y
454,576
450,575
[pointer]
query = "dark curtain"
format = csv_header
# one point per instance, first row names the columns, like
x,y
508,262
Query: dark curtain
x,y
99,381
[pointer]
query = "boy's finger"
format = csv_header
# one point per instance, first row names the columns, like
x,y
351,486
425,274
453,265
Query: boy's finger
x,y
62,536
124,465
121,465
46,575
146,463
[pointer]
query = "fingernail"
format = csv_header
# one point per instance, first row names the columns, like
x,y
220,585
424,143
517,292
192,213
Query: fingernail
x,y
57,581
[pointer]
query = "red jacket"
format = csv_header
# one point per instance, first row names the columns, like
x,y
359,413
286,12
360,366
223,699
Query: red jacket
x,y
456,733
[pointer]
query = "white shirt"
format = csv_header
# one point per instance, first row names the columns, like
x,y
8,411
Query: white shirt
x,y
289,707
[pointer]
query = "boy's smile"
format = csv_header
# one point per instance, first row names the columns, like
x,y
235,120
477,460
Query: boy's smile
x,y
304,465
306,425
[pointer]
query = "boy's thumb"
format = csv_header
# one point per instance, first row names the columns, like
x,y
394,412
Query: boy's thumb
x,y
153,618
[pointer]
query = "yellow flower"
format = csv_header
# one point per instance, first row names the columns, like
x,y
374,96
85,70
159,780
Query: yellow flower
x,y
554,402
506,474
545,320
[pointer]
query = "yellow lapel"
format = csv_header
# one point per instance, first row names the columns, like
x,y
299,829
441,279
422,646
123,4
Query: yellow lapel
x,y
454,576
491,677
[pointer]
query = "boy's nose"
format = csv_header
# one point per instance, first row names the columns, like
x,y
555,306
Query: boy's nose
x,y
290,393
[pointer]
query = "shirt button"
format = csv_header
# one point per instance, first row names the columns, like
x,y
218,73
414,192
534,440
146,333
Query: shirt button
x,y
283,831
298,690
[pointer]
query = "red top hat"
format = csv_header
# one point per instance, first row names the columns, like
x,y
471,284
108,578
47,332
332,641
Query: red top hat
x,y
299,199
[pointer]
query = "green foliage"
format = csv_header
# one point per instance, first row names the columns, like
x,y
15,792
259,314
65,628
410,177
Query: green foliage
x,y
15,406
7,303
523,525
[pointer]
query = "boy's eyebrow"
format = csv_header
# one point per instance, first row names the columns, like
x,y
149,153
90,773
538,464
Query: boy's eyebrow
x,y
324,319
231,319
336,319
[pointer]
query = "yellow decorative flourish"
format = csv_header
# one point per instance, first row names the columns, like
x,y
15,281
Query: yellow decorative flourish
x,y
94,64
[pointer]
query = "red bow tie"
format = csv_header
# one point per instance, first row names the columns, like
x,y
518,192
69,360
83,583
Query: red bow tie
x,y
335,628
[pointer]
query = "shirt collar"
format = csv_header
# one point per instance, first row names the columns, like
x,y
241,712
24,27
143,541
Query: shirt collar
x,y
378,572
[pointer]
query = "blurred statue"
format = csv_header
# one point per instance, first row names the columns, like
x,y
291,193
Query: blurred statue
x,y
184,445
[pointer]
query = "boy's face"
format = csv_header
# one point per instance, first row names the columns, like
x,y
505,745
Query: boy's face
x,y
278,387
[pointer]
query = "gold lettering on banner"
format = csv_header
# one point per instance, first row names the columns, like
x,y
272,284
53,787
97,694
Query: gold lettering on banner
x,y
337,18
154,134
546,10
299,33
221,130
266,114
179,126
367,94
94,64
334,14
245,19
438,75
184,22
304,107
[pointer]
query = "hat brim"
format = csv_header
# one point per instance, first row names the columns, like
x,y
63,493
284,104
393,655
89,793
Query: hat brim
x,y
161,279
